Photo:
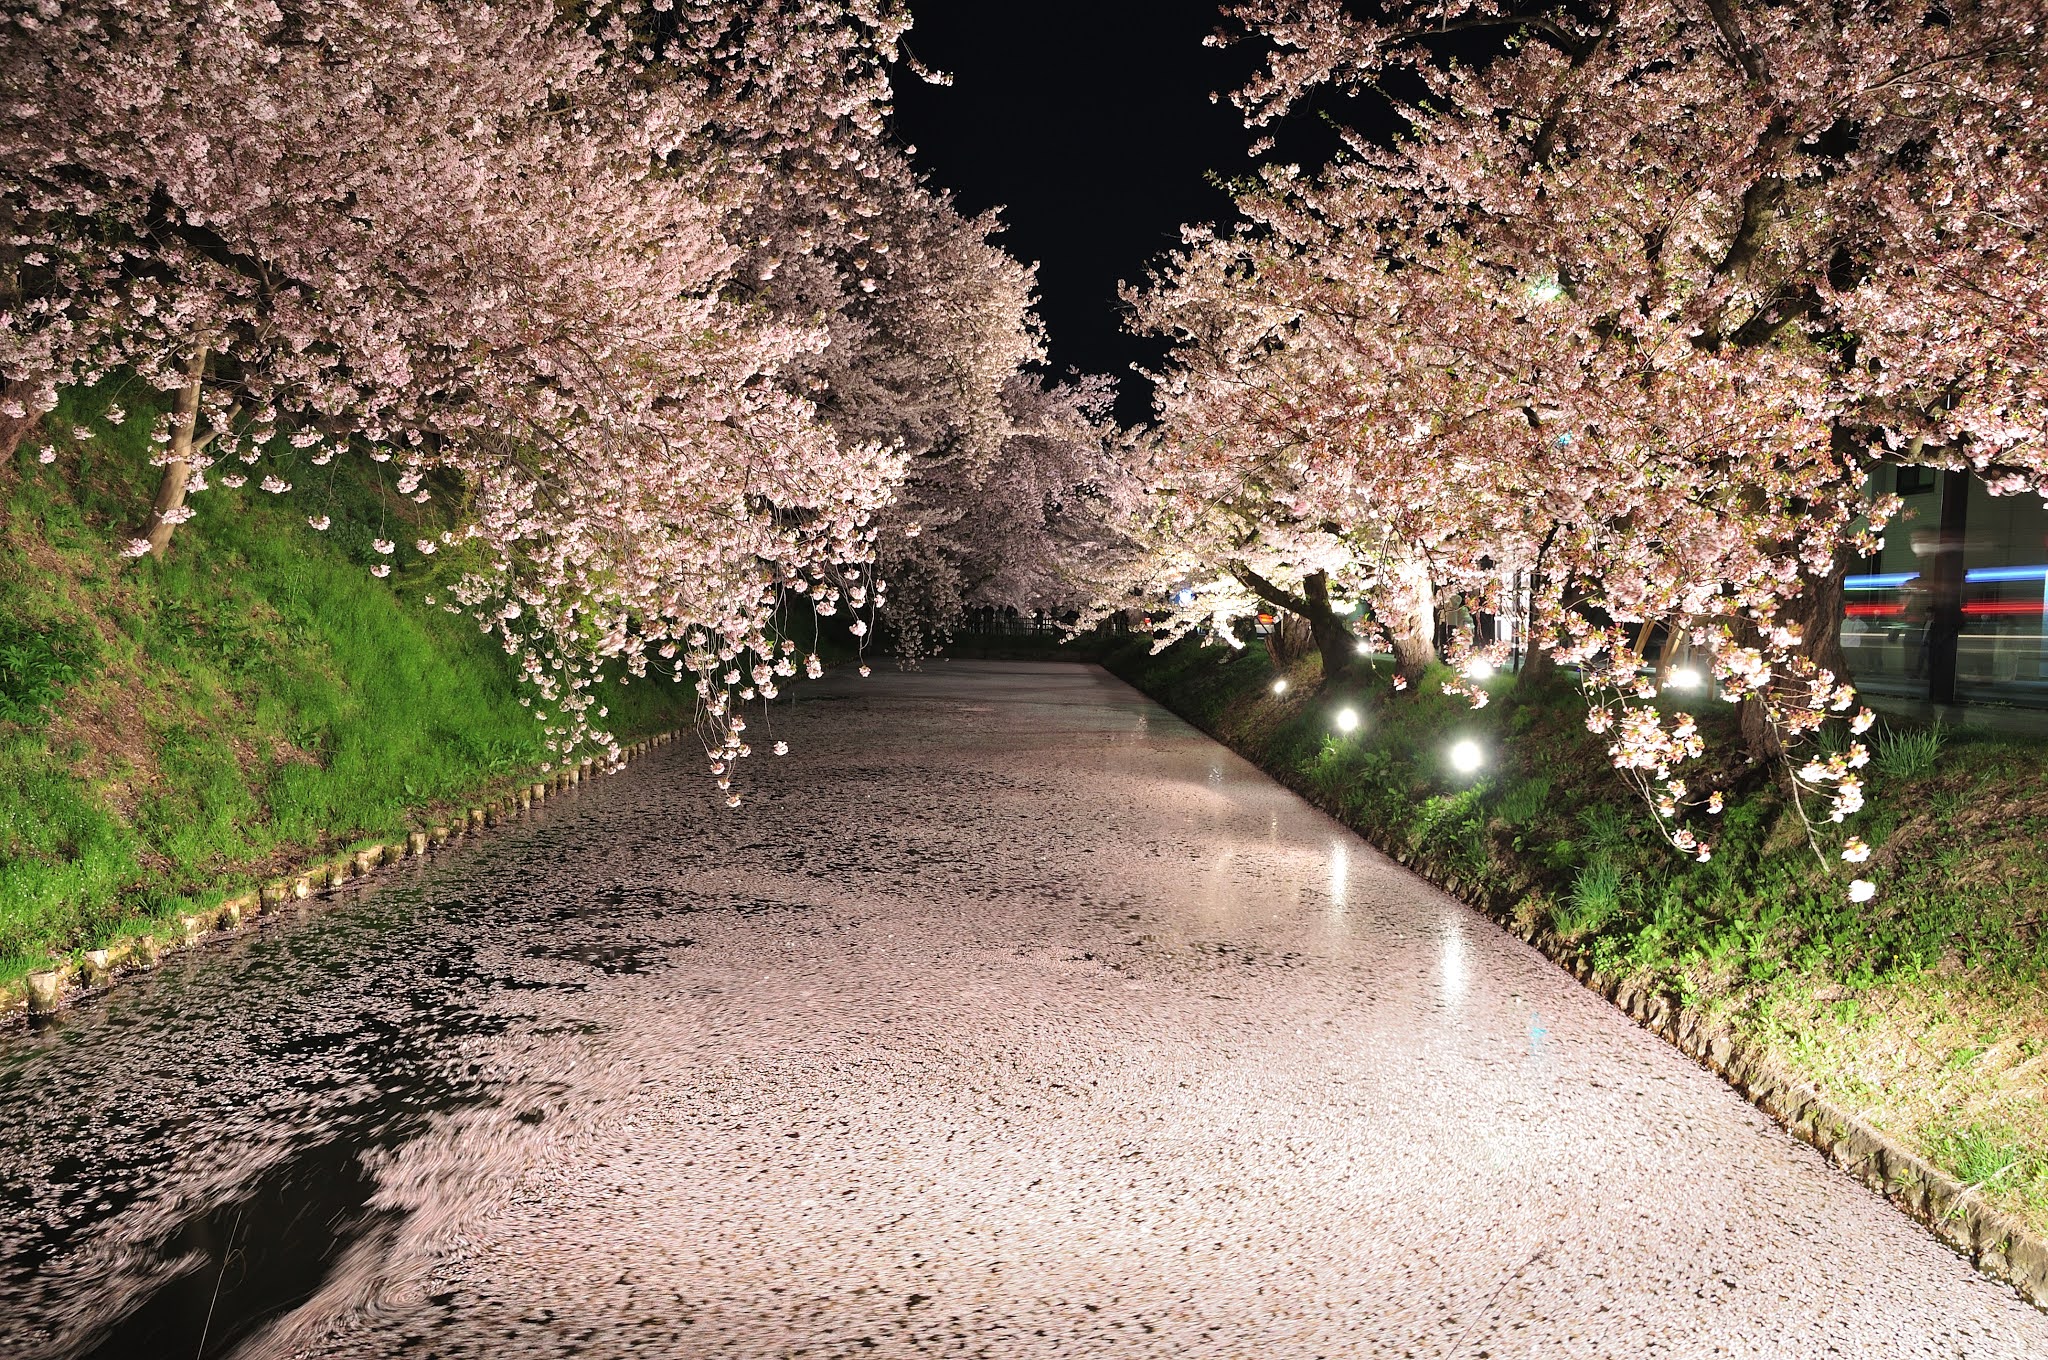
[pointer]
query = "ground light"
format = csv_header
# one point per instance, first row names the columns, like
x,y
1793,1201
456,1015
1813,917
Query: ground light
x,y
1280,686
1480,670
1347,720
1466,757
1685,677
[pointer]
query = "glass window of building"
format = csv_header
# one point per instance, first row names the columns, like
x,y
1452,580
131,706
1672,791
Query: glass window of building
x,y
1955,608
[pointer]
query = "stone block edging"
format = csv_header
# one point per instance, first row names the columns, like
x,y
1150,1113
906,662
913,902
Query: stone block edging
x,y
91,972
1993,1241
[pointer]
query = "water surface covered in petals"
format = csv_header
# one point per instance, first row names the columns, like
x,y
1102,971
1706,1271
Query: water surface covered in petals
x,y
1010,1016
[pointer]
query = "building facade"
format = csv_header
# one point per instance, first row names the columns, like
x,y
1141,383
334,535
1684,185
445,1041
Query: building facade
x,y
1955,608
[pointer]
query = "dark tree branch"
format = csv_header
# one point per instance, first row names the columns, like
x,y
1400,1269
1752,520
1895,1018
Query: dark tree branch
x,y
1546,131
1746,56
1272,593
1759,206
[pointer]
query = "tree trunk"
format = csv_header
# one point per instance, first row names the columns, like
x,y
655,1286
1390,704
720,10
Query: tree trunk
x,y
1817,613
1820,607
1414,653
14,428
1338,646
1413,625
1290,639
1538,667
1758,735
170,492
1333,640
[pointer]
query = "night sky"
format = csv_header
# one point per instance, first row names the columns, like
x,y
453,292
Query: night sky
x,y
1090,125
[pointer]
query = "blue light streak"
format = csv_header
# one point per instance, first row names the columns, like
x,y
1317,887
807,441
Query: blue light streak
x,y
1894,579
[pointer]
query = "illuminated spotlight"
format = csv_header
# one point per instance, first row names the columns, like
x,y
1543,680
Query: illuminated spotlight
x,y
1280,686
1467,757
1480,670
1685,677
1365,649
1347,720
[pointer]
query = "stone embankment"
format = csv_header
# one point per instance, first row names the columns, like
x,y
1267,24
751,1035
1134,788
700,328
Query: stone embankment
x,y
92,971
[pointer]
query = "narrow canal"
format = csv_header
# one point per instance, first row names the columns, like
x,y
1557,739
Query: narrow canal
x,y
1010,1016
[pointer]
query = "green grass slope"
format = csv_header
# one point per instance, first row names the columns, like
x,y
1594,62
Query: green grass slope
x,y
171,731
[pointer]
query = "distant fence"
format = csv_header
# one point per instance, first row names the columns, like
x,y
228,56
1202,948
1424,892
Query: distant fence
x,y
990,622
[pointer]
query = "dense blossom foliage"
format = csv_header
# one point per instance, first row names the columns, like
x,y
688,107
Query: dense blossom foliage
x,y
1628,314
641,284
929,324
1610,337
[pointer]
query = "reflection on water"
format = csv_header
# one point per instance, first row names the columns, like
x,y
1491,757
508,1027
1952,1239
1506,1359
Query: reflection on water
x,y
197,1153
1452,968
962,1041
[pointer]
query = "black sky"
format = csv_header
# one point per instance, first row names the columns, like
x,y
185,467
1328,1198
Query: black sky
x,y
1090,125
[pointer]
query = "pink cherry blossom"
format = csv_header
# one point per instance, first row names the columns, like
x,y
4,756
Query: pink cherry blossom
x,y
1621,325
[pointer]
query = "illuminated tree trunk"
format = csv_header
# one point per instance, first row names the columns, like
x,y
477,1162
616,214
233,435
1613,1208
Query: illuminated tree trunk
x,y
1290,639
1816,611
170,491
1411,620
13,428
12,390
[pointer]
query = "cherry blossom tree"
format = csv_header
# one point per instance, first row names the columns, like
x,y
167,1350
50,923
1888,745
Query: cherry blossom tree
x,y
1657,285
929,323
493,241
1040,516
1304,450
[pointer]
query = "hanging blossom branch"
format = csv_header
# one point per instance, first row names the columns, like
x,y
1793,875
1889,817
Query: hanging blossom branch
x,y
505,245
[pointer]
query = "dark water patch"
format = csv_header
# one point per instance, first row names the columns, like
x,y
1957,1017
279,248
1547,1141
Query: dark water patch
x,y
241,1263
187,1161
608,957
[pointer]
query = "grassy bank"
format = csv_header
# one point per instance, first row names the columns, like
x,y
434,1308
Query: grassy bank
x,y
171,732
1923,1011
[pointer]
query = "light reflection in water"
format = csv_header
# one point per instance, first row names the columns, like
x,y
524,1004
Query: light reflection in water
x,y
1453,962
1219,894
